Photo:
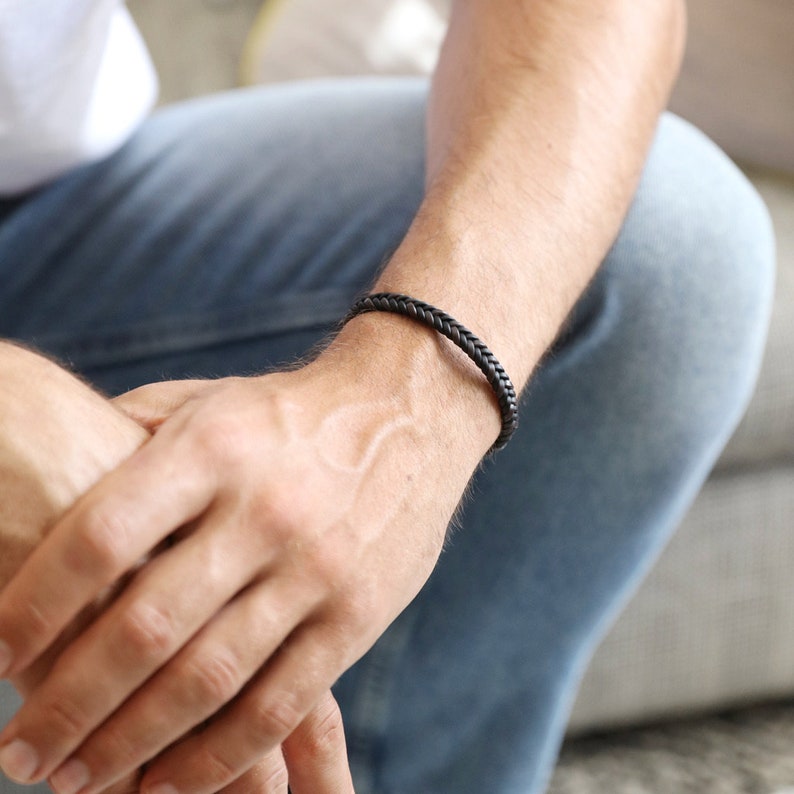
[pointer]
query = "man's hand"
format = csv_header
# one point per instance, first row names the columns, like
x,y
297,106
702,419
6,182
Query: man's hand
x,y
302,514
57,439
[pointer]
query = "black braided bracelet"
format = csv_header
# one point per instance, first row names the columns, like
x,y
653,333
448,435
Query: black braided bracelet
x,y
470,344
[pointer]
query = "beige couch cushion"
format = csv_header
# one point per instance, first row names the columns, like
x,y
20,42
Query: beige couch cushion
x,y
712,624
297,39
766,436
737,82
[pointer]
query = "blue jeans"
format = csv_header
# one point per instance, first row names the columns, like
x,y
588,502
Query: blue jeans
x,y
231,234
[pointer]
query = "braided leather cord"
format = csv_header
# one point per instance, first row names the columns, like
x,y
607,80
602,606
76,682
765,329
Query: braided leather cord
x,y
468,342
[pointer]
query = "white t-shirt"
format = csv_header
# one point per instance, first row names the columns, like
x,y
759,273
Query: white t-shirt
x,y
75,81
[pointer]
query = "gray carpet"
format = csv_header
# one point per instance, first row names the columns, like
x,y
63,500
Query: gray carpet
x,y
743,752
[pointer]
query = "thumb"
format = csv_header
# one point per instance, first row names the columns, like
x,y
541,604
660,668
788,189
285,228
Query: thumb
x,y
152,404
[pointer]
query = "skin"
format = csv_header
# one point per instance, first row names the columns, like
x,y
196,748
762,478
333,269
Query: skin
x,y
315,502
72,437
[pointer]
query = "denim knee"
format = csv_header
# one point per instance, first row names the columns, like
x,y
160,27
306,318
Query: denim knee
x,y
719,235
691,277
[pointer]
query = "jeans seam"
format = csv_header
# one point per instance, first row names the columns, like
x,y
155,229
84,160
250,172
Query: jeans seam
x,y
366,722
164,336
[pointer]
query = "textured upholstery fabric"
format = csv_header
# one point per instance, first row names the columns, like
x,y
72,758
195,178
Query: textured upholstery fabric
x,y
767,433
713,623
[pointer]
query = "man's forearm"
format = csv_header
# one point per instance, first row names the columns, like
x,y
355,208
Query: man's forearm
x,y
540,118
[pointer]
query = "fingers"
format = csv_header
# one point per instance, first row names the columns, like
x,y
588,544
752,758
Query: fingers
x,y
99,540
137,635
269,776
260,719
130,785
313,758
316,753
194,685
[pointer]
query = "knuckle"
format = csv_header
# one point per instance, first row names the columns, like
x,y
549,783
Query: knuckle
x,y
146,632
101,542
327,566
276,779
216,769
363,604
112,748
356,608
221,438
274,718
214,562
269,776
66,719
330,566
323,733
214,680
35,619
277,510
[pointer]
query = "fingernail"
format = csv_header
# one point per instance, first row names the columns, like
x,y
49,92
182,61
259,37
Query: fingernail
x,y
19,761
5,658
161,788
70,778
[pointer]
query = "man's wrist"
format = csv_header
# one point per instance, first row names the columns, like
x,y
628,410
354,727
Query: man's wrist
x,y
463,338
450,399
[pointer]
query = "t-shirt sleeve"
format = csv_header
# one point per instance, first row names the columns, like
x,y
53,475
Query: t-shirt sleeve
x,y
75,81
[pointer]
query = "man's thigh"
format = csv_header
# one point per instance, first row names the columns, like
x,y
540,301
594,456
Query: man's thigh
x,y
227,236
